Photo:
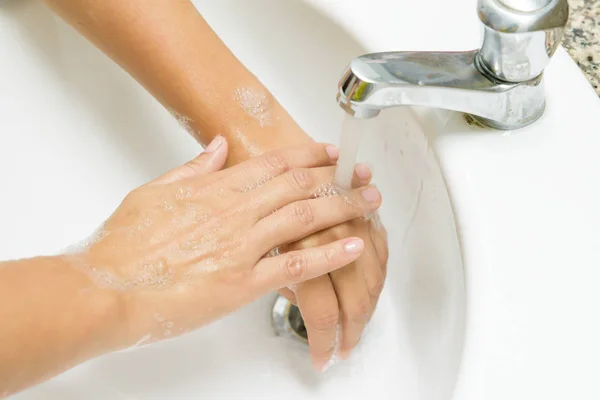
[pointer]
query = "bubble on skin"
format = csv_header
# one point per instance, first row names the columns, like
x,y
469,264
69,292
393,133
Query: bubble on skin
x,y
151,275
242,139
146,222
326,190
259,183
168,207
183,193
186,123
255,104
192,214
329,190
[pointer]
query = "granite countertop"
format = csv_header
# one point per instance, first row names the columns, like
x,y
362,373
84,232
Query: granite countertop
x,y
582,38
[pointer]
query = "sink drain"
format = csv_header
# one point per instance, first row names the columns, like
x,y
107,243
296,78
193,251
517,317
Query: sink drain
x,y
287,320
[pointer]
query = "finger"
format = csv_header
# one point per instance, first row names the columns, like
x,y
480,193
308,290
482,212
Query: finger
x,y
257,171
212,159
303,218
362,175
319,307
289,295
289,269
296,184
355,303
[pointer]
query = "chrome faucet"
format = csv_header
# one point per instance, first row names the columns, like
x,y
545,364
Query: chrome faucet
x,y
500,85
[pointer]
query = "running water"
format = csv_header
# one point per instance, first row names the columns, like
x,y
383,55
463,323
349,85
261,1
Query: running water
x,y
352,130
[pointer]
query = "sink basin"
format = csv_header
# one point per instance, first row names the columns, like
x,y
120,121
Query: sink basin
x,y
504,314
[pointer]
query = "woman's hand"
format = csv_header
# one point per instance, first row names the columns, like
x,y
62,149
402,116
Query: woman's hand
x,y
189,247
346,298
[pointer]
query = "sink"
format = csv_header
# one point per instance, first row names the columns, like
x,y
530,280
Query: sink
x,y
98,135
493,235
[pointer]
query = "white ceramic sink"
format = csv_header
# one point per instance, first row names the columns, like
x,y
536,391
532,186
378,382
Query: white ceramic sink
x,y
513,321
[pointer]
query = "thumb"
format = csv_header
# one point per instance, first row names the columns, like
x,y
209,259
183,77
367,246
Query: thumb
x,y
212,159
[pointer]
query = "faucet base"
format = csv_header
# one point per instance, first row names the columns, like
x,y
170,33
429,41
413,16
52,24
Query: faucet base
x,y
490,123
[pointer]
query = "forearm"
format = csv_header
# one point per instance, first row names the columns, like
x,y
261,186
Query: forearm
x,y
52,318
168,47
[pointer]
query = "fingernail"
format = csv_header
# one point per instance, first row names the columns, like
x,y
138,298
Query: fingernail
x,y
354,245
371,195
362,171
333,152
214,144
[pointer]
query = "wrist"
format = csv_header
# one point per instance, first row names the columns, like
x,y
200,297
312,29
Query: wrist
x,y
252,126
103,324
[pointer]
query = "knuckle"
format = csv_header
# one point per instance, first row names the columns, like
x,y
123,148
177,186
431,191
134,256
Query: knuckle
x,y
359,313
276,163
301,179
304,213
326,321
330,255
295,266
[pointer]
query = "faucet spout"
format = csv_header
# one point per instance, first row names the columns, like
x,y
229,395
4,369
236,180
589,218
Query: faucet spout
x,y
449,80
500,84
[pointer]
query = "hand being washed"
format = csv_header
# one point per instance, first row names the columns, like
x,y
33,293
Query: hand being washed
x,y
345,298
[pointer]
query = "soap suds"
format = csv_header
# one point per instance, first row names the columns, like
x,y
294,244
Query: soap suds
x,y
186,123
183,193
242,139
328,190
99,234
255,104
258,183
150,275
168,207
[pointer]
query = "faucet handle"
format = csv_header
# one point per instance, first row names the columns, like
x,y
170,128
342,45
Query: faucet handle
x,y
520,36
